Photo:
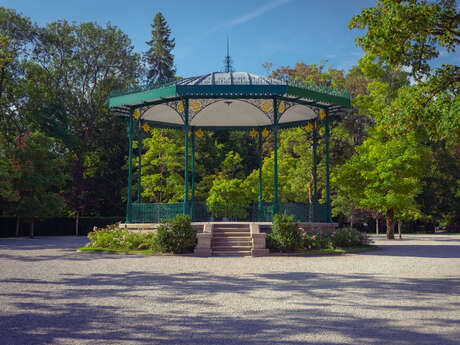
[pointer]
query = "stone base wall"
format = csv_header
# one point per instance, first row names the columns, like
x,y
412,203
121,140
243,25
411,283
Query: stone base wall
x,y
258,232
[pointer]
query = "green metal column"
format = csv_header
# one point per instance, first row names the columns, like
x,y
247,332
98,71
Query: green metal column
x,y
186,128
275,149
139,171
130,167
328,187
260,175
315,172
192,148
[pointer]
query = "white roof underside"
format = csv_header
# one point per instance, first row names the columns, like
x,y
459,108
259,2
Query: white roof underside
x,y
228,113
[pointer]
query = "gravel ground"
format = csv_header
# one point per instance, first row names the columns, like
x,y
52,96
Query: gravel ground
x,y
406,293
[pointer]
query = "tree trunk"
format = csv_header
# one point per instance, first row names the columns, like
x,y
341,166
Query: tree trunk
x,y
76,224
31,229
390,225
399,229
18,221
351,221
377,225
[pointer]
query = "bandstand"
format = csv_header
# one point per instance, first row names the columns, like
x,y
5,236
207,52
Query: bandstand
x,y
229,101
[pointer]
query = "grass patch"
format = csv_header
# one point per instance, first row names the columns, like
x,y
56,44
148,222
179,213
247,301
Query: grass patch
x,y
126,251
363,248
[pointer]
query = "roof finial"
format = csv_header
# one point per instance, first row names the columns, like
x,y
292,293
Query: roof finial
x,y
228,61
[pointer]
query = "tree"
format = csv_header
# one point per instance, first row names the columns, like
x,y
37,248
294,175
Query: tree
x,y
73,70
227,199
407,35
17,39
163,166
160,60
35,178
385,176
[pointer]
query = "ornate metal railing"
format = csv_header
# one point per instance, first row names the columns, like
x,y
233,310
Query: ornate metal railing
x,y
200,212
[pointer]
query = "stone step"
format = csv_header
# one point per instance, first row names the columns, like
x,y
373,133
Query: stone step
x,y
231,248
230,225
233,253
231,243
231,230
232,235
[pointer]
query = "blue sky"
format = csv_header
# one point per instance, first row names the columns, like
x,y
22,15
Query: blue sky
x,y
282,32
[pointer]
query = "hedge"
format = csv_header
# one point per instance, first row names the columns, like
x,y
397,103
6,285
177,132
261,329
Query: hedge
x,y
59,226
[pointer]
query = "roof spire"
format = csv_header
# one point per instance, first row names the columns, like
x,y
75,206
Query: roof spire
x,y
228,61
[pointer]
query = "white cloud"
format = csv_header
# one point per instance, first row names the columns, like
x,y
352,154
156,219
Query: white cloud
x,y
250,15
257,12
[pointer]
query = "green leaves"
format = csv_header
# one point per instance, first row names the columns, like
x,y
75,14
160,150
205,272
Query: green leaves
x,y
408,33
163,166
159,58
385,174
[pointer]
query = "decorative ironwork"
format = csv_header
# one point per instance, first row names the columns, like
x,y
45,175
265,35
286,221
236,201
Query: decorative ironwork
x,y
199,133
158,212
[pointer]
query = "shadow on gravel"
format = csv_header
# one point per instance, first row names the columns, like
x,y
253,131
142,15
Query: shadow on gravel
x,y
43,242
419,251
36,249
60,315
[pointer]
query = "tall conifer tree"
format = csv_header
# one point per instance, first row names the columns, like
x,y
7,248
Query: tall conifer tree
x,y
160,60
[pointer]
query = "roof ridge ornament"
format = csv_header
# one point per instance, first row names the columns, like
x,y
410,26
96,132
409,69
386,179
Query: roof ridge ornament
x,y
228,67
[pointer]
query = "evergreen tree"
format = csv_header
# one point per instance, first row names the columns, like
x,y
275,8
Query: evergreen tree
x,y
160,60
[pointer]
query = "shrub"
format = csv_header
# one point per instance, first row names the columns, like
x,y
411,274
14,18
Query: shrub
x,y
285,234
316,241
348,238
112,237
176,236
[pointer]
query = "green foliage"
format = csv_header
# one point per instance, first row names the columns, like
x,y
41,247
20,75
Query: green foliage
x,y
176,236
285,235
344,238
34,177
227,199
316,241
385,175
113,237
162,166
159,58
408,33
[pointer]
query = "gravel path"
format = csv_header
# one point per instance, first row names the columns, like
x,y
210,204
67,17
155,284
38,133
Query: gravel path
x,y
406,293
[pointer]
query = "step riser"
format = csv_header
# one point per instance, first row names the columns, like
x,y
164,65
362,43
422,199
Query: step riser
x,y
231,240
232,248
231,244
231,233
230,225
230,230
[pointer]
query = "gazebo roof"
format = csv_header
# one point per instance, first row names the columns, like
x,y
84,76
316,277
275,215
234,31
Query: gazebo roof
x,y
231,100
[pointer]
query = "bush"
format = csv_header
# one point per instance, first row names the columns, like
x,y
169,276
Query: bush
x,y
285,235
112,237
348,238
317,241
177,235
